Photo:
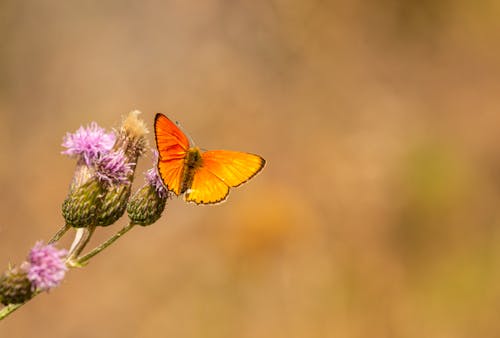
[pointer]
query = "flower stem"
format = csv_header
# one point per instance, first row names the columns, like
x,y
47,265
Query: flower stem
x,y
82,237
81,240
57,236
84,259
7,310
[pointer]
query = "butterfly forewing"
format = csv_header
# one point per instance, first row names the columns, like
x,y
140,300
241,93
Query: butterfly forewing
x,y
172,146
232,167
170,140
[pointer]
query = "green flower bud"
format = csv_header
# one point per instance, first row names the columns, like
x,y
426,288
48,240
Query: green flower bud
x,y
15,287
146,206
80,206
113,205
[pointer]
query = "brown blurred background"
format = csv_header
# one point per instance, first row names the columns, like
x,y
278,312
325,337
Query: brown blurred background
x,y
377,214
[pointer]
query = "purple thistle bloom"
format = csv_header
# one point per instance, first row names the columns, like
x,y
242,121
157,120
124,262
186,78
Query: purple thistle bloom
x,y
113,167
46,267
89,142
155,181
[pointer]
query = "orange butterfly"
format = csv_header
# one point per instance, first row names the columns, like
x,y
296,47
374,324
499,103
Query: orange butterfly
x,y
204,177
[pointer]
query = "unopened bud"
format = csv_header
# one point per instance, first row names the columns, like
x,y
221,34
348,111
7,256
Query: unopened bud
x,y
146,206
113,205
80,207
15,287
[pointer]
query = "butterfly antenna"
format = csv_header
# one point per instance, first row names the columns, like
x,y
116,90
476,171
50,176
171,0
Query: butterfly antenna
x,y
191,141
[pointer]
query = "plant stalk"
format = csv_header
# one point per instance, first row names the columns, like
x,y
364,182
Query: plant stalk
x,y
84,259
57,236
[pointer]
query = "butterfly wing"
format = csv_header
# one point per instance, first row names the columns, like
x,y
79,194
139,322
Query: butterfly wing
x,y
220,170
172,146
206,188
232,167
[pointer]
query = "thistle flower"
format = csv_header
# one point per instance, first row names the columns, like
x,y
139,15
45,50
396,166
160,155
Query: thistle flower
x,y
46,267
148,203
155,181
88,143
113,168
129,146
131,137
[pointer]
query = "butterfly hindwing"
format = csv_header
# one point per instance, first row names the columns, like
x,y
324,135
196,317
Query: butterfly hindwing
x,y
171,174
206,188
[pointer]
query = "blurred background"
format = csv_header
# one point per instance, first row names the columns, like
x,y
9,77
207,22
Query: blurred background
x,y
377,214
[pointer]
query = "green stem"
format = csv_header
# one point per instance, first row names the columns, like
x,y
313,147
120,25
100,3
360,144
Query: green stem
x,y
81,239
7,310
84,259
57,236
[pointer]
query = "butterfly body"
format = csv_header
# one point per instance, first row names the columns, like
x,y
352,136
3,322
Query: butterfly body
x,y
192,162
204,177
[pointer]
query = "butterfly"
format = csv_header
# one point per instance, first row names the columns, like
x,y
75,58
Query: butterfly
x,y
204,177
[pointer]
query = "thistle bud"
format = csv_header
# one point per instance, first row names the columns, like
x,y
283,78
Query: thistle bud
x,y
80,206
15,287
113,204
147,204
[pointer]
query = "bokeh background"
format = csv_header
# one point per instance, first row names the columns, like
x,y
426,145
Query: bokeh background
x,y
377,214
